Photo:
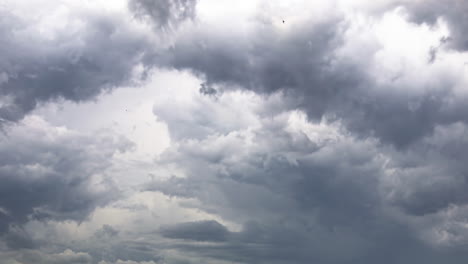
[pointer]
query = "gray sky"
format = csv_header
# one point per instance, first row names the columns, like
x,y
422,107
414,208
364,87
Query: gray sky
x,y
240,132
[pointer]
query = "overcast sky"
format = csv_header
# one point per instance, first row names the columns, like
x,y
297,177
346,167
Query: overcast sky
x,y
233,132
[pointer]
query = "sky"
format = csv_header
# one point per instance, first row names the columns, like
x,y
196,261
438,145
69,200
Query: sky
x,y
233,132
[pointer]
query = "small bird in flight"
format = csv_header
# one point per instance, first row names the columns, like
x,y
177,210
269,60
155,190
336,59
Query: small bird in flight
x,y
283,21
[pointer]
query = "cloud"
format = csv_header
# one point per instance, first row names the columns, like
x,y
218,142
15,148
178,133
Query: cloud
x,y
452,12
66,257
263,59
318,66
431,177
127,262
336,137
274,179
198,231
106,232
303,190
165,14
88,54
18,238
207,90
52,173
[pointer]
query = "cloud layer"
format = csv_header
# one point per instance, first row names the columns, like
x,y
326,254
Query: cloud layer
x,y
183,131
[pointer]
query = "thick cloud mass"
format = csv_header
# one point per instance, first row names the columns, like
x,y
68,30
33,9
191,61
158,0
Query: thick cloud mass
x,y
453,12
164,13
66,257
93,53
49,173
331,132
198,231
305,191
309,63
265,61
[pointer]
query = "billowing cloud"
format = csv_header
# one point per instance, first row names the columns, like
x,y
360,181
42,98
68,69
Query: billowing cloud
x,y
52,173
198,231
165,14
452,12
294,131
127,262
69,52
315,62
66,257
304,191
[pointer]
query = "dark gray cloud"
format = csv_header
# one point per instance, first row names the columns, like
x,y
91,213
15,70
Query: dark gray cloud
x,y
48,174
165,14
32,256
305,65
207,90
18,238
301,198
453,12
129,262
106,232
336,192
260,63
75,65
122,248
432,175
198,231
397,118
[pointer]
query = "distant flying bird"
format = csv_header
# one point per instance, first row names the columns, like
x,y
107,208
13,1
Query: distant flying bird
x,y
283,21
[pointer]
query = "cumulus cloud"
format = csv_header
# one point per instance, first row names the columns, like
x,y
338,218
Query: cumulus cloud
x,y
165,14
198,231
52,173
106,232
87,54
337,136
284,188
66,257
127,262
315,62
451,12
304,191
64,68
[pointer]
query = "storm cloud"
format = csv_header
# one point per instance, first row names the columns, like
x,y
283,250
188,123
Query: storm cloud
x,y
299,191
166,14
207,131
198,231
309,62
50,173
451,12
